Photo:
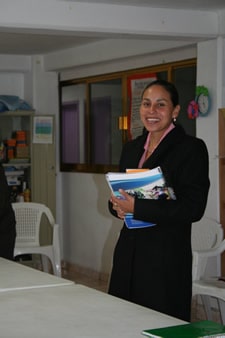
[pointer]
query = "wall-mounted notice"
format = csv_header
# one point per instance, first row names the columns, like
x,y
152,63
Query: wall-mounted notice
x,y
43,129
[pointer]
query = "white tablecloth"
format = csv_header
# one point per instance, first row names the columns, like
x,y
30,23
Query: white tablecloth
x,y
15,276
74,311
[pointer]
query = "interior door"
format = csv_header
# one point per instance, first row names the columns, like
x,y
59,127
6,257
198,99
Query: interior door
x,y
222,175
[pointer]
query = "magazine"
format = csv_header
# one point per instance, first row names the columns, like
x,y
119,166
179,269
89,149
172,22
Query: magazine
x,y
144,184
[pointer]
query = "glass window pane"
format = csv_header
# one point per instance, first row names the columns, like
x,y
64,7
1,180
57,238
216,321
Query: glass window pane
x,y
73,123
162,75
106,107
185,80
70,132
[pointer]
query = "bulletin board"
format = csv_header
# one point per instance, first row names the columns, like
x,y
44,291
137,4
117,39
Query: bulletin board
x,y
135,86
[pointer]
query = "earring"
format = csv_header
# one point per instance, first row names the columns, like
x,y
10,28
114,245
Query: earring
x,y
174,119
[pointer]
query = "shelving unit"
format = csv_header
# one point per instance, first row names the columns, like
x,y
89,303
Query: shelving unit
x,y
18,167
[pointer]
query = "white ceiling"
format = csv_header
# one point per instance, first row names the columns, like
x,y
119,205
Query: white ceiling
x,y
35,44
27,42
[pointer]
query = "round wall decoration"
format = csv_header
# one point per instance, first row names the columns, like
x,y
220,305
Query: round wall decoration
x,y
203,100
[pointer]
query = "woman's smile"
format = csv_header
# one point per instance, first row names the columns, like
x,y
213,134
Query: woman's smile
x,y
152,120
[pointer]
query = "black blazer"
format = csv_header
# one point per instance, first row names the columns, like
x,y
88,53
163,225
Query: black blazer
x,y
153,266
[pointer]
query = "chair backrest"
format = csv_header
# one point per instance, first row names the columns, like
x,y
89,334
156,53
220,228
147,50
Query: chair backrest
x,y
207,234
28,220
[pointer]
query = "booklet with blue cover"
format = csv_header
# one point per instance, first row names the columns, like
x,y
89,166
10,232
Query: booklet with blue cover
x,y
146,184
200,329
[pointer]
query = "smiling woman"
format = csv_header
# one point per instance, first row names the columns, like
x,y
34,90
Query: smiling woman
x,y
152,266
159,106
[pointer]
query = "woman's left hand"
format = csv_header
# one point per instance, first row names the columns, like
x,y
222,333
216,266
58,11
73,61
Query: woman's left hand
x,y
123,205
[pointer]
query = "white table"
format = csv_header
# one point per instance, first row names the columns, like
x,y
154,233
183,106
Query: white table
x,y
74,311
15,276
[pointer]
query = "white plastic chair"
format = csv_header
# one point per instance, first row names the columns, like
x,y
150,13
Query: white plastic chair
x,y
207,238
207,241
28,223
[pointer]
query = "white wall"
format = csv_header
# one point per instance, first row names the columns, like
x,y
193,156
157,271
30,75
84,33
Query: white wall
x,y
12,84
89,232
207,127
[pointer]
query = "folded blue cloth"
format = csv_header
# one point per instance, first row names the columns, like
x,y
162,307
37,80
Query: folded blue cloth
x,y
12,102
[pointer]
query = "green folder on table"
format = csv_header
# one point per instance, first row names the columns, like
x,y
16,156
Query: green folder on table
x,y
201,329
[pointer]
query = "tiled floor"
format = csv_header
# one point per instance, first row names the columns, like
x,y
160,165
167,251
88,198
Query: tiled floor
x,y
86,278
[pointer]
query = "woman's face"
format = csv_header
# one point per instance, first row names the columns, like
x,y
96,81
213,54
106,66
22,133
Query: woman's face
x,y
157,110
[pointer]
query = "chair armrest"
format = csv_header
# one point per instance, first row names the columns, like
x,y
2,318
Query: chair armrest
x,y
56,248
211,252
200,258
